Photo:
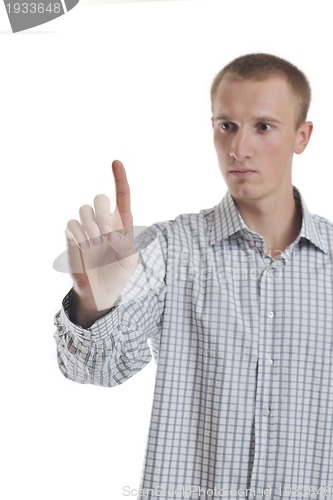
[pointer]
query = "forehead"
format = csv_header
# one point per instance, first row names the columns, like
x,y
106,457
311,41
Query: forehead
x,y
236,96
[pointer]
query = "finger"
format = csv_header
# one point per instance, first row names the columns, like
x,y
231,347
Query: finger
x,y
123,197
103,213
75,231
73,262
89,225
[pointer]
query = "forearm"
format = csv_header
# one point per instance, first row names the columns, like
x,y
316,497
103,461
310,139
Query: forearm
x,y
108,346
85,364
107,354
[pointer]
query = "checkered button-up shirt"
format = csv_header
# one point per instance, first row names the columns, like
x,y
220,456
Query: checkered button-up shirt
x,y
243,400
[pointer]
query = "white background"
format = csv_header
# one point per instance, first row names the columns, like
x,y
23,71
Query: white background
x,y
130,82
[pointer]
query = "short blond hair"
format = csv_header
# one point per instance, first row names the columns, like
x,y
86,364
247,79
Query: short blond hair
x,y
262,66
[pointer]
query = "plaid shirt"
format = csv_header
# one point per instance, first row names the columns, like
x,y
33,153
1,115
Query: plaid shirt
x,y
243,400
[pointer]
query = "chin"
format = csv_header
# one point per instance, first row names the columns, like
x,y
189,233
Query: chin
x,y
244,192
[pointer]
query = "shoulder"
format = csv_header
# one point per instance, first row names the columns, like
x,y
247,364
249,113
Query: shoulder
x,y
324,228
322,222
184,229
188,223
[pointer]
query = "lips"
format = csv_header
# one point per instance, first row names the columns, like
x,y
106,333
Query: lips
x,y
242,172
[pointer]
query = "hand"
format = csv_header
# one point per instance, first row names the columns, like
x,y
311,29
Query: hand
x,y
100,248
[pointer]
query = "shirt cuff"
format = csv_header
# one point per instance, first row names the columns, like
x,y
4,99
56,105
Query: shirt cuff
x,y
94,329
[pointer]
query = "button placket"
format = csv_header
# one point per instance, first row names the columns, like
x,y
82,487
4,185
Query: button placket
x,y
265,373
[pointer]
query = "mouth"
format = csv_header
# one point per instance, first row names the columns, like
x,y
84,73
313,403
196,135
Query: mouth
x,y
242,172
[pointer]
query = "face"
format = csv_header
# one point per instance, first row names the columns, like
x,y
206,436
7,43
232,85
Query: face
x,y
255,136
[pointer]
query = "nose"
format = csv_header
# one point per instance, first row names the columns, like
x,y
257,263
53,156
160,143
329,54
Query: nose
x,y
241,146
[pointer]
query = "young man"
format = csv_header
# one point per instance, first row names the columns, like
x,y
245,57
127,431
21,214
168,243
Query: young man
x,y
236,302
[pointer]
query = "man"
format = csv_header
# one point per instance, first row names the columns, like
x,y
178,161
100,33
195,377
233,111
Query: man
x,y
236,302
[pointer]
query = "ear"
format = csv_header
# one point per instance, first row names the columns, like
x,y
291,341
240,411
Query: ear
x,y
212,120
303,135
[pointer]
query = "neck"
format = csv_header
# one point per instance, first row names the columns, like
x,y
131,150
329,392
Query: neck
x,y
277,219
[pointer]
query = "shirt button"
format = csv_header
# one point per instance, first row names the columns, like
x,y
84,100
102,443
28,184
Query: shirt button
x,y
269,361
270,314
266,412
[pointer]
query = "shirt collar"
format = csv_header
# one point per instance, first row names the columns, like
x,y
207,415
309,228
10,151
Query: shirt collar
x,y
224,220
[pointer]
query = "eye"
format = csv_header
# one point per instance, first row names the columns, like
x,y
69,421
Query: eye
x,y
227,126
264,127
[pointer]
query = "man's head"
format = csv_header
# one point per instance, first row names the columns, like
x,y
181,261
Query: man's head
x,y
259,67
259,105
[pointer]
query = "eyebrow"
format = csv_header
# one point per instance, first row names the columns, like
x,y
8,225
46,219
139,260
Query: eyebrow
x,y
264,119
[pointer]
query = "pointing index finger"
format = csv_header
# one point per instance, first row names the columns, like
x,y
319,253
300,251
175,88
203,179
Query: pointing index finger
x,y
123,197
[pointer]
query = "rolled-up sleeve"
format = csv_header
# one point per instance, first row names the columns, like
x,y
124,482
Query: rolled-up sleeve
x,y
116,346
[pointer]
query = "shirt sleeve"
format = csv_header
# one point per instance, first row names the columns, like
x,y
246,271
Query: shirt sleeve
x,y
115,347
